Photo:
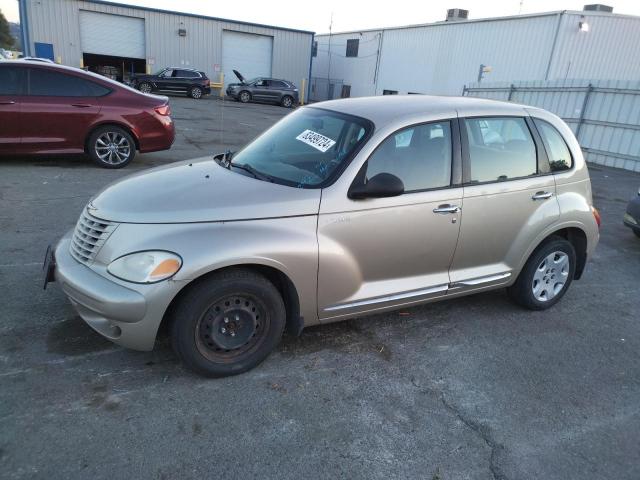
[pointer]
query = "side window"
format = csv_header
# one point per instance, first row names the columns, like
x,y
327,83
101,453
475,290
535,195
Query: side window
x,y
187,74
11,80
352,47
559,154
168,73
500,148
278,84
43,82
420,156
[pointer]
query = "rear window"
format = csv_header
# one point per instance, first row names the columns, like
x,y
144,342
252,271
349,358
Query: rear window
x,y
11,80
500,148
44,82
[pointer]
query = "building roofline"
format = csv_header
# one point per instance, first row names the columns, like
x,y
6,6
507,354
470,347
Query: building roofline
x,y
194,15
488,19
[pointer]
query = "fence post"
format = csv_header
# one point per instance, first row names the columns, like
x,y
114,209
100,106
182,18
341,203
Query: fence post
x,y
585,104
512,88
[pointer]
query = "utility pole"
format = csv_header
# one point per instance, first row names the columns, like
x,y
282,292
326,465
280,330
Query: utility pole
x,y
329,67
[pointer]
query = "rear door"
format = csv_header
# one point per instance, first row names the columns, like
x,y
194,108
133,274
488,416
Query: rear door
x,y
509,199
12,86
58,110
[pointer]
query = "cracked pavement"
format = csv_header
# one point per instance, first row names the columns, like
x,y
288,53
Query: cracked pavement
x,y
474,388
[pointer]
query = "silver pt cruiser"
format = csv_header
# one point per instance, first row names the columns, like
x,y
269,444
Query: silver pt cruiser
x,y
341,209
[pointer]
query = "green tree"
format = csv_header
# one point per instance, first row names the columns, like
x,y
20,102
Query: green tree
x,y
6,39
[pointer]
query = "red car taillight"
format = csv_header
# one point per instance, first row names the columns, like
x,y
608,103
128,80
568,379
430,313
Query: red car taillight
x,y
164,110
596,215
207,83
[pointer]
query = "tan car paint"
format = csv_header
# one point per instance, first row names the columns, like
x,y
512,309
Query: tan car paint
x,y
345,257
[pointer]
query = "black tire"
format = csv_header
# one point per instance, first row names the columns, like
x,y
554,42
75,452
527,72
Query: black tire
x,y
244,96
539,265
208,315
195,92
145,87
287,101
100,142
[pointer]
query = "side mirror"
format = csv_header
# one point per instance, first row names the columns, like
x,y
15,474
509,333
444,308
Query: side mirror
x,y
379,186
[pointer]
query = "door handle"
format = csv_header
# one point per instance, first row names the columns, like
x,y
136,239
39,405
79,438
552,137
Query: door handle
x,y
7,102
542,196
446,208
81,105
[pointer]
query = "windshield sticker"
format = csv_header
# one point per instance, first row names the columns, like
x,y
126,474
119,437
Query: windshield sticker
x,y
316,140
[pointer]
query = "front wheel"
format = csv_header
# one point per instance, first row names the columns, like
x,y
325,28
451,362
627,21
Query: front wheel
x,y
227,323
245,96
111,147
287,101
195,92
546,276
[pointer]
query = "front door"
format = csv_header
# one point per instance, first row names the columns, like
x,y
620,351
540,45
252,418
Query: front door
x,y
58,111
509,199
12,86
260,90
384,252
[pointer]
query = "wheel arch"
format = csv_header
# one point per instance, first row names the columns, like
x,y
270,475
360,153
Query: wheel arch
x,y
282,282
123,126
573,234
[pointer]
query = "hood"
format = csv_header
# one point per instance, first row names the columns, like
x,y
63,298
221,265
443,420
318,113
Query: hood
x,y
239,75
199,191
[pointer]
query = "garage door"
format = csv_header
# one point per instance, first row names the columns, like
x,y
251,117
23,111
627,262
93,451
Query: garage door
x,y
114,35
248,53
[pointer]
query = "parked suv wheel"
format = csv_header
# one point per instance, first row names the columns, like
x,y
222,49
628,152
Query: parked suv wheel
x,y
286,101
195,92
546,276
145,87
111,147
227,323
244,96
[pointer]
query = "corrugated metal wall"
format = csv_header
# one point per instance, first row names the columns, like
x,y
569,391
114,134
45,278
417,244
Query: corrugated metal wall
x,y
57,22
441,58
604,115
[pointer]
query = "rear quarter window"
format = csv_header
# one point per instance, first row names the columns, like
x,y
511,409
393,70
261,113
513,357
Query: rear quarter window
x,y
560,158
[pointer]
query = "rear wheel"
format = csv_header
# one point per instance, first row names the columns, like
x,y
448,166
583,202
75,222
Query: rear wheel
x,y
227,323
244,96
287,101
195,92
546,276
111,147
145,87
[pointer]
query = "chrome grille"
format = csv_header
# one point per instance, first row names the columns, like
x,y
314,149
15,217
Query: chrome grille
x,y
89,236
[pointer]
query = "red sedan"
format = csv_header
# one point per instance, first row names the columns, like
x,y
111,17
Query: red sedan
x,y
52,109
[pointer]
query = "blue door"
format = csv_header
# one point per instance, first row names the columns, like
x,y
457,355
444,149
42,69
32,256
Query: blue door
x,y
44,50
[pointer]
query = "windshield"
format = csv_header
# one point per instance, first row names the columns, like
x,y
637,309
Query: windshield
x,y
305,148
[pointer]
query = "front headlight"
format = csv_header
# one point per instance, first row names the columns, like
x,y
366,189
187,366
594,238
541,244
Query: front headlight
x,y
145,267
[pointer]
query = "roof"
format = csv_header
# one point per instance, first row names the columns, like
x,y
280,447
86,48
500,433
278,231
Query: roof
x,y
386,108
194,15
489,19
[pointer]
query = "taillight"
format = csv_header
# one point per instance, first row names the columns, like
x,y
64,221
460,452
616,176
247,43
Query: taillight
x,y
596,215
207,83
163,110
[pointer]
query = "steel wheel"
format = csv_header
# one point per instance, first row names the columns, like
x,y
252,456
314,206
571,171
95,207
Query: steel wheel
x,y
196,92
145,88
113,148
245,97
551,276
231,327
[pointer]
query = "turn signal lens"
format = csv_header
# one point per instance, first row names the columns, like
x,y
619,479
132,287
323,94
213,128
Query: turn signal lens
x,y
164,110
596,215
145,267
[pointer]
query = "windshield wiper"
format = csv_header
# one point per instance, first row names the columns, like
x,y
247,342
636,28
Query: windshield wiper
x,y
255,173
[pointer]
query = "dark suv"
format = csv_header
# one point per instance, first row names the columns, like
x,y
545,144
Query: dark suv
x,y
262,89
184,80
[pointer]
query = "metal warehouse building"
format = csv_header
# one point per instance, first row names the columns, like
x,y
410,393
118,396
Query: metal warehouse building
x,y
443,57
109,37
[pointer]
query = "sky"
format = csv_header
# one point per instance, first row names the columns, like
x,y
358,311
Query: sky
x,y
351,14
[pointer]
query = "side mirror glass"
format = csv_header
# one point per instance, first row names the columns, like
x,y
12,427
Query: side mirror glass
x,y
381,185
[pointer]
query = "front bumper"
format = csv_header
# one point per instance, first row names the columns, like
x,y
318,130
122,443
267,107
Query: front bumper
x,y
127,315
